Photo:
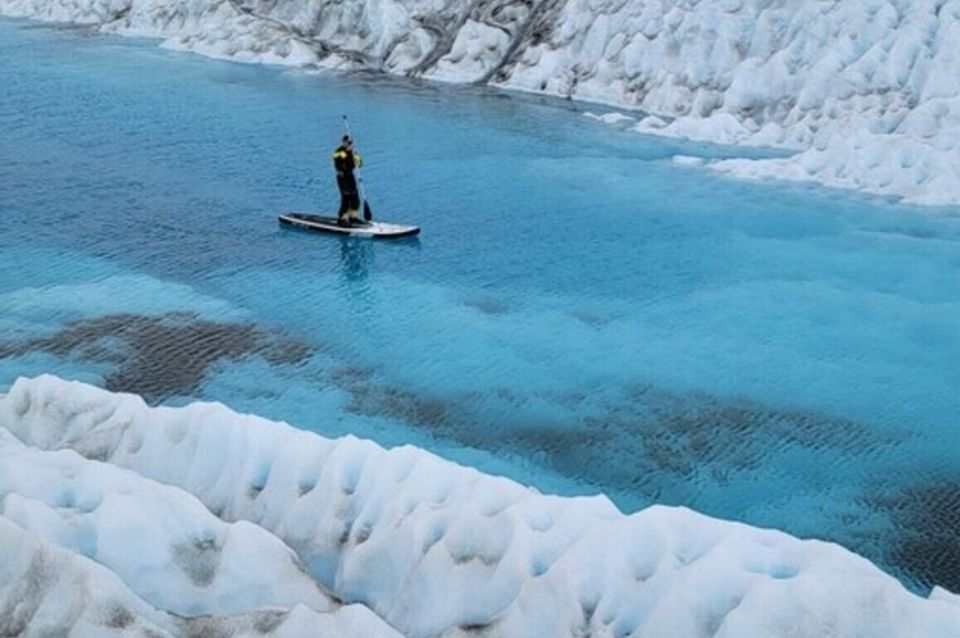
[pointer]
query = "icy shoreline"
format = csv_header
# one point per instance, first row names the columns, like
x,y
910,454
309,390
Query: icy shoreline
x,y
203,511
866,92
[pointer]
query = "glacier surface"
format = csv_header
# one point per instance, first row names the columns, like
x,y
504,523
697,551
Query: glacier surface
x,y
90,549
175,518
866,92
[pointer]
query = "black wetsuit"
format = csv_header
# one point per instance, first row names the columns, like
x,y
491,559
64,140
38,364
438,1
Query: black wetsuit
x,y
345,162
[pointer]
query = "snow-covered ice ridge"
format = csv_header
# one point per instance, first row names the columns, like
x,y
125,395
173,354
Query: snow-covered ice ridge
x,y
116,518
867,91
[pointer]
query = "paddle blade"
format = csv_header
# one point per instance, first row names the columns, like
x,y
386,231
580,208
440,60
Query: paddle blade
x,y
367,213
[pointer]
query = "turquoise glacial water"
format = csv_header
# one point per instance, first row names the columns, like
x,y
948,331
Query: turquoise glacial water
x,y
581,313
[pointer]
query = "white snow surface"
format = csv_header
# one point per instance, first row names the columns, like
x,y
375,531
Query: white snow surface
x,y
171,507
172,551
867,91
93,549
46,590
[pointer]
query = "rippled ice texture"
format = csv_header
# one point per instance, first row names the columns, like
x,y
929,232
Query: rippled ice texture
x,y
581,313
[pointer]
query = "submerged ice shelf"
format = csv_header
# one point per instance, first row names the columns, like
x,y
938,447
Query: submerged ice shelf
x,y
432,548
865,91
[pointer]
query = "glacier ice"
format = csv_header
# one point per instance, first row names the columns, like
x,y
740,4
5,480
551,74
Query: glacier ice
x,y
46,590
433,548
866,91
168,547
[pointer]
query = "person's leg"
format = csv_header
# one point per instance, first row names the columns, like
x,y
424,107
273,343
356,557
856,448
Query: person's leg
x,y
354,207
342,215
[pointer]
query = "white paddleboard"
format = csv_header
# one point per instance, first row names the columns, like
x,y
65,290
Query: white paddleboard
x,y
376,230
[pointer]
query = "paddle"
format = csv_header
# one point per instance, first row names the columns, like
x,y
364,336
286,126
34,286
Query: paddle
x,y
367,213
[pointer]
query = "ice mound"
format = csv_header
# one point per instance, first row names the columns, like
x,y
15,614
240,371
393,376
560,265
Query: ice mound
x,y
72,526
46,590
866,90
433,548
171,550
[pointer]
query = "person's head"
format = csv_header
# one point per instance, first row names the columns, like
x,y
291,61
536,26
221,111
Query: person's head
x,y
346,141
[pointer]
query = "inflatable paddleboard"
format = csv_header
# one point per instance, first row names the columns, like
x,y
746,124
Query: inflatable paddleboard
x,y
376,230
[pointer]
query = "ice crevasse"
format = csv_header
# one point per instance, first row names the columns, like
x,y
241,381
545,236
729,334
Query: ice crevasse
x,y
866,92
201,515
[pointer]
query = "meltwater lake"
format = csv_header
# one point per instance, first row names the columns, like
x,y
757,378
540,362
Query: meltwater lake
x,y
581,313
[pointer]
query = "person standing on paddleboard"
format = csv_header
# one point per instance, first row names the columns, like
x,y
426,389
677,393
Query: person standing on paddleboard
x,y
345,161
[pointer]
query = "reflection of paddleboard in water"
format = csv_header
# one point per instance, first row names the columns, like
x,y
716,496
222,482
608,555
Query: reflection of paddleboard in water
x,y
356,259
376,230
